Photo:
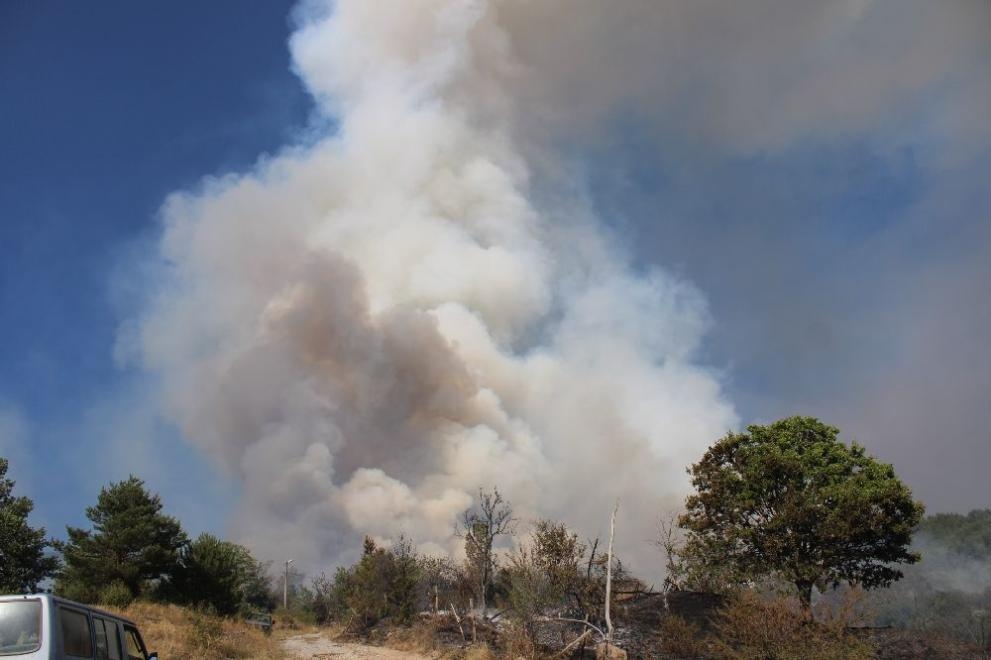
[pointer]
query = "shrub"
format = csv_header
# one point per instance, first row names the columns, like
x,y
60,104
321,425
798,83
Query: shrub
x,y
751,627
681,638
116,594
77,591
220,575
207,631
384,583
326,599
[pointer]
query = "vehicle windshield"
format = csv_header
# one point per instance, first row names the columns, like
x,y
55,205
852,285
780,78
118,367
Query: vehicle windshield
x,y
20,626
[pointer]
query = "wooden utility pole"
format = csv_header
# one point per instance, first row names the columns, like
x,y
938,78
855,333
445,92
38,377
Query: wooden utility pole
x,y
285,587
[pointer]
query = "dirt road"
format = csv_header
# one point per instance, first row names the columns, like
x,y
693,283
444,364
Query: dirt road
x,y
318,646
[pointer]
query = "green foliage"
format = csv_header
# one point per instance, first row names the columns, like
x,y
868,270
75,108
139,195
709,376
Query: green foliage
x,y
116,594
530,592
442,582
256,589
791,500
24,561
558,553
948,593
327,598
384,583
131,542
555,574
218,575
405,578
544,573
968,534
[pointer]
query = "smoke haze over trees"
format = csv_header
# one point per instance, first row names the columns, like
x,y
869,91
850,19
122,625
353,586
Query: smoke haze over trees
x,y
537,239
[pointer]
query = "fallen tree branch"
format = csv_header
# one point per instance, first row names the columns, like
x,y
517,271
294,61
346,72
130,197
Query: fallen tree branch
x,y
458,619
499,614
574,643
548,619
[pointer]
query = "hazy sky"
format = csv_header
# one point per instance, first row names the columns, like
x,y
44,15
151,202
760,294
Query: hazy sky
x,y
817,172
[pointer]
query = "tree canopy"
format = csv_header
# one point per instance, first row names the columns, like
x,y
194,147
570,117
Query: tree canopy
x,y
220,575
24,560
965,534
132,542
791,500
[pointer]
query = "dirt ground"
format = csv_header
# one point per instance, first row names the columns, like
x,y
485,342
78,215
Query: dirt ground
x,y
318,646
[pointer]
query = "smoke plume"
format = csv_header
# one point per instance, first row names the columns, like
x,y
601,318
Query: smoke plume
x,y
367,329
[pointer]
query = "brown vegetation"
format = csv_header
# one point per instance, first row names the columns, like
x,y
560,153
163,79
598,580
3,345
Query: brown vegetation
x,y
750,626
178,632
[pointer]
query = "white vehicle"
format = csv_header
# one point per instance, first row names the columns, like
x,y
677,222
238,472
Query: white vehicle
x,y
52,628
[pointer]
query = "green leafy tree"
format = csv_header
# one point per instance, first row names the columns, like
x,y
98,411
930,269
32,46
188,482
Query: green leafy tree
x,y
789,500
24,560
131,541
384,583
327,599
406,575
544,574
218,574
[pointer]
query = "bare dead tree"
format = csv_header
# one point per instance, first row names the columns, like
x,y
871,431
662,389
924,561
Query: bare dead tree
x,y
588,580
612,533
669,542
480,526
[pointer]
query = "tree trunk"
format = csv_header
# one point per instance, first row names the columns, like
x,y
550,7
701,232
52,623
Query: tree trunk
x,y
804,588
612,533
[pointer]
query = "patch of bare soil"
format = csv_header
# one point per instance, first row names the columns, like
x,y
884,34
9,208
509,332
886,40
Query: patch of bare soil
x,y
316,645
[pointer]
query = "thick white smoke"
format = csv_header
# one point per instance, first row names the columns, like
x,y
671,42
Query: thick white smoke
x,y
368,329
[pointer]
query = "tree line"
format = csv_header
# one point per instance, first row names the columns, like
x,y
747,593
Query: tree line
x,y
133,550
787,502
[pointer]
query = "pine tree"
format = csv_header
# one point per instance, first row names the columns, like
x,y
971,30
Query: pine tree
x,y
23,558
132,542
220,575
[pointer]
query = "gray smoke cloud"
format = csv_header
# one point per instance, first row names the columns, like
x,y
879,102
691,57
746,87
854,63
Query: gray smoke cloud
x,y
367,329
819,169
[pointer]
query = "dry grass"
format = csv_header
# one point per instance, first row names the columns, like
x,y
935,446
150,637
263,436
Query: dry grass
x,y
427,637
177,632
479,652
421,637
681,639
754,627
296,622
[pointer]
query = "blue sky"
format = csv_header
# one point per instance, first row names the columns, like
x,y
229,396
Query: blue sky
x,y
844,254
107,107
